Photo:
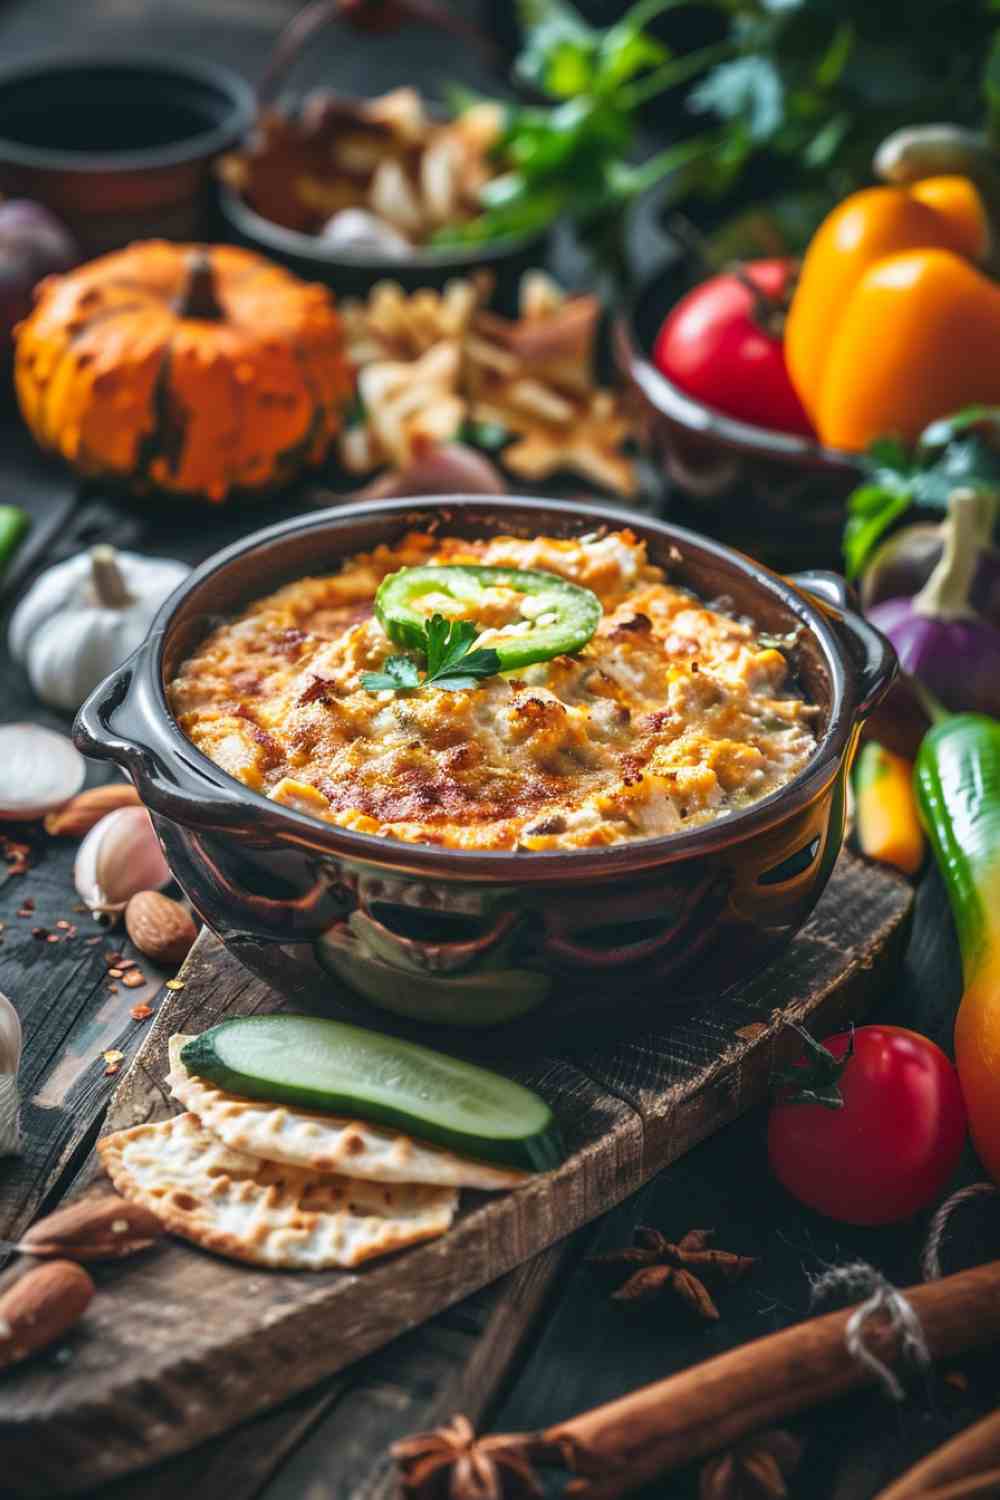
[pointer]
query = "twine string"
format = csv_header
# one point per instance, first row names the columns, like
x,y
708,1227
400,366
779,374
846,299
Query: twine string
x,y
859,1279
930,1261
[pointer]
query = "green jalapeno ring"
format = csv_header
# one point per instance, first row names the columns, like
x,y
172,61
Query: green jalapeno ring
x,y
577,610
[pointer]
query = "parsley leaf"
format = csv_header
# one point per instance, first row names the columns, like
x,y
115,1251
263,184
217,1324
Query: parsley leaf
x,y
451,664
399,674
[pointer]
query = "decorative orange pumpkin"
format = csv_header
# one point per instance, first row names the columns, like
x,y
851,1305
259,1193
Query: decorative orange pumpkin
x,y
197,370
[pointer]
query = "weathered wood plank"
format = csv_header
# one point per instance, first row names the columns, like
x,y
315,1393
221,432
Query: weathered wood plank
x,y
180,1344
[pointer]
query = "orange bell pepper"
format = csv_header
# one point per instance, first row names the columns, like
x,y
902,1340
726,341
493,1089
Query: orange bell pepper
x,y
893,323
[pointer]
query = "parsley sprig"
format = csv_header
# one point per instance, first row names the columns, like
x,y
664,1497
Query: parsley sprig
x,y
450,662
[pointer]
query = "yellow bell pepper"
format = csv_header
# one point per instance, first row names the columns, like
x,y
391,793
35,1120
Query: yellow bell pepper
x,y
893,323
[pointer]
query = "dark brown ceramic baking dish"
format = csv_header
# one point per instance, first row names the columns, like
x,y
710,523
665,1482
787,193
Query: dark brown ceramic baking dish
x,y
462,938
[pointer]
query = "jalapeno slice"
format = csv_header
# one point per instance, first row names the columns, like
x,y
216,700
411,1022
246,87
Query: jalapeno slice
x,y
557,617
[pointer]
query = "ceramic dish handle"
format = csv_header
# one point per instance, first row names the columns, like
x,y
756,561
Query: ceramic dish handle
x,y
120,722
873,657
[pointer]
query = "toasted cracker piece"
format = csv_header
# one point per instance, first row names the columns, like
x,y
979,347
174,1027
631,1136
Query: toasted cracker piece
x,y
262,1212
325,1143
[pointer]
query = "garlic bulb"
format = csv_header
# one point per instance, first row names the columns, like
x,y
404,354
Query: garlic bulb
x,y
10,1060
40,770
120,856
82,618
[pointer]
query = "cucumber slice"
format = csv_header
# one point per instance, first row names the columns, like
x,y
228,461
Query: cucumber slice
x,y
340,1069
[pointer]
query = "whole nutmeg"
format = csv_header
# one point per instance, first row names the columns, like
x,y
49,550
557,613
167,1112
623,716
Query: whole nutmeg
x,y
160,928
40,1307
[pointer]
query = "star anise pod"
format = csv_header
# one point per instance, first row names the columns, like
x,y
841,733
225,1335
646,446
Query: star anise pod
x,y
451,1463
754,1470
654,1267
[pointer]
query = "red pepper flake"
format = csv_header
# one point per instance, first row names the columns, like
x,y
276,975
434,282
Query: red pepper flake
x,y
141,1012
112,1069
26,908
40,933
133,979
127,963
53,937
113,959
16,855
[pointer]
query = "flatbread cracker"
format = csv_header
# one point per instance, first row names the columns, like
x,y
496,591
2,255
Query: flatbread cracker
x,y
271,1215
325,1143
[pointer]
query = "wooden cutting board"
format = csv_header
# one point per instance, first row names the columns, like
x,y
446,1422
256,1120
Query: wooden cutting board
x,y
179,1345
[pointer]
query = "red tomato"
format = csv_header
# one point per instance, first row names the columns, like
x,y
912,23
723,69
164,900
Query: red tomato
x,y
716,345
892,1147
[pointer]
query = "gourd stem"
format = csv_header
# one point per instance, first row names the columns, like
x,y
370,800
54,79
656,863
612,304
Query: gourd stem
x,y
945,595
200,298
106,576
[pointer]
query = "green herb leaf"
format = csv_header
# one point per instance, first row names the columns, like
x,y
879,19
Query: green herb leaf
x,y
962,450
399,674
450,662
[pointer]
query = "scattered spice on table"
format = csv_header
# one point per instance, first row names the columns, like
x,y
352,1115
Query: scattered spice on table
x,y
16,855
654,1268
755,1469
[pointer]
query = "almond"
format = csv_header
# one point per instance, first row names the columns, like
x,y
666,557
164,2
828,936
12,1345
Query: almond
x,y
78,816
40,1306
97,1228
159,927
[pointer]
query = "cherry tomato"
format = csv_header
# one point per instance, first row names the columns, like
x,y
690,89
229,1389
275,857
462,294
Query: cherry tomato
x,y
891,1148
722,344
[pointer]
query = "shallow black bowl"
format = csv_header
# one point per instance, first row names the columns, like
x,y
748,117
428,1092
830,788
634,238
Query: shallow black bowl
x,y
463,938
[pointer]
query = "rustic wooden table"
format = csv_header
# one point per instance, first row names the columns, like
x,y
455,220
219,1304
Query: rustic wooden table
x,y
543,1343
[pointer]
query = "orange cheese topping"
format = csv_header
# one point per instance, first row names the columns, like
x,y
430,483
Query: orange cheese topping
x,y
673,715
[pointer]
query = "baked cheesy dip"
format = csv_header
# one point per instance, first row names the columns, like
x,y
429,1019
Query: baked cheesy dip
x,y
673,714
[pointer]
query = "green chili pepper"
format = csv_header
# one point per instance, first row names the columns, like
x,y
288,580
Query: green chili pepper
x,y
957,783
14,523
558,617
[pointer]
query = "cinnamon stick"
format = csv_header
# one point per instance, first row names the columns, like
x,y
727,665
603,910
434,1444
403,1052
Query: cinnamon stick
x,y
970,1458
627,1442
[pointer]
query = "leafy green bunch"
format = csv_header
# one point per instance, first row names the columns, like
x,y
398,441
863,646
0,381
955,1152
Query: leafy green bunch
x,y
961,451
573,156
820,83
816,84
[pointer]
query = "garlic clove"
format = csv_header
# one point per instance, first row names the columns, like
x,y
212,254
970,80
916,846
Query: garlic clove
x,y
10,1061
39,771
119,857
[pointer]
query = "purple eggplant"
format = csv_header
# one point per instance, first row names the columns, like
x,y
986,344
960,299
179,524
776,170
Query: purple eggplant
x,y
33,243
940,639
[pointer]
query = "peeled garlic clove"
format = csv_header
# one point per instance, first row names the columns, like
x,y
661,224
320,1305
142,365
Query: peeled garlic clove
x,y
10,1061
357,229
39,770
119,857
